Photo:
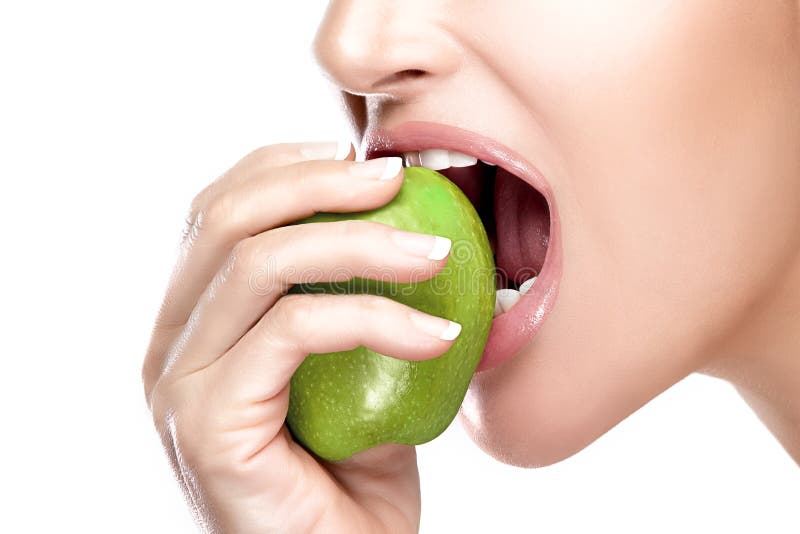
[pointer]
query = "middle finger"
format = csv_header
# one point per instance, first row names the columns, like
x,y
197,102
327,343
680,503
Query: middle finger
x,y
262,268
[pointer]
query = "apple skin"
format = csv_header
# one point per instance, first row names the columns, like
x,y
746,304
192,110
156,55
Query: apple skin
x,y
346,402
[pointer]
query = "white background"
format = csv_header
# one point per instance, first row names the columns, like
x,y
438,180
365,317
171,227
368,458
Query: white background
x,y
112,115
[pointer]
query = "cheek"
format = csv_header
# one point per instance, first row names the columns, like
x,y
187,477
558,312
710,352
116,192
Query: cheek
x,y
676,131
671,123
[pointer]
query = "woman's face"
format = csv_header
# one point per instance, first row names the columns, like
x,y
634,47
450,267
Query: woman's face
x,y
668,133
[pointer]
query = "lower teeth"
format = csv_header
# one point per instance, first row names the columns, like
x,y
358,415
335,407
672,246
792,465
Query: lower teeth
x,y
526,285
505,299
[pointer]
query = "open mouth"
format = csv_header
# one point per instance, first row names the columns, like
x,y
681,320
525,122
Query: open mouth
x,y
516,208
514,214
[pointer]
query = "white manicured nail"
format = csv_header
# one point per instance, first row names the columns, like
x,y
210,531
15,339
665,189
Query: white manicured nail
x,y
436,326
333,150
441,248
451,331
379,169
342,150
392,169
433,247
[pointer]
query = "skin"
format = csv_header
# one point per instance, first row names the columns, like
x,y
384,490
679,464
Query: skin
x,y
670,134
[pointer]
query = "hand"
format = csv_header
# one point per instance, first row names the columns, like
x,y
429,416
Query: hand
x,y
223,351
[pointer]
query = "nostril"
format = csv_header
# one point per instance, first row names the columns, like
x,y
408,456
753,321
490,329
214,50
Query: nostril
x,y
400,77
410,73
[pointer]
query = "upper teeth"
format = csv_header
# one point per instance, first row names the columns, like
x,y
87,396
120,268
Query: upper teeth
x,y
438,159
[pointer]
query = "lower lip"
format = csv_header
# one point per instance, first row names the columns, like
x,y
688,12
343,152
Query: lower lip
x,y
514,329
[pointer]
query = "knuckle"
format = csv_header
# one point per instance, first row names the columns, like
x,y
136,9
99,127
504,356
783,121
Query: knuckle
x,y
270,155
370,304
300,173
216,214
146,375
295,309
265,152
199,201
161,405
257,262
243,259
352,228
192,227
208,214
181,423
186,437
157,352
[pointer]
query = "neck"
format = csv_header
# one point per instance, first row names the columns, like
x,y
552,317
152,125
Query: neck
x,y
763,361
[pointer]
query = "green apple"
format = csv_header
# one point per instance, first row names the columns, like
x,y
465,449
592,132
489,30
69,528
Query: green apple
x,y
342,403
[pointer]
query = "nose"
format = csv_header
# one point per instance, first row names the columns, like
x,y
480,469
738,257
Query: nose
x,y
370,47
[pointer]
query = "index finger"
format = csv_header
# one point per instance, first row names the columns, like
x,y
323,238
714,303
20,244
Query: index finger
x,y
278,155
196,265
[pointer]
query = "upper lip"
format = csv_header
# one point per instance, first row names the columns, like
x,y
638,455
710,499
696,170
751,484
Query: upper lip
x,y
513,329
420,135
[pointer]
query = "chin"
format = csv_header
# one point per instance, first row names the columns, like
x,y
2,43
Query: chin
x,y
507,420
512,415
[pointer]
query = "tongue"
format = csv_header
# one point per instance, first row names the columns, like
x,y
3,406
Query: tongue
x,y
523,227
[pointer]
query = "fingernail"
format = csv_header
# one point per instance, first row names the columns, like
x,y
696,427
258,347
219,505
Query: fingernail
x,y
433,247
342,150
333,150
436,326
379,169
